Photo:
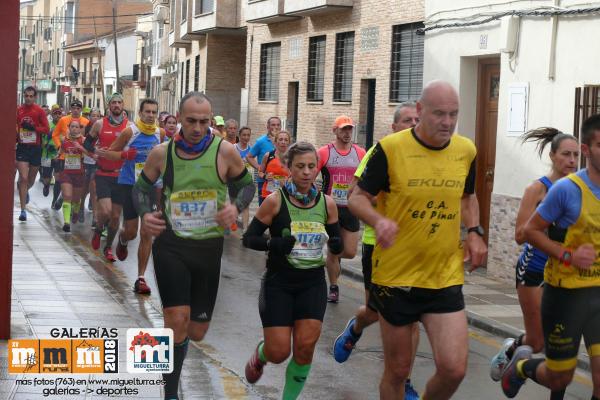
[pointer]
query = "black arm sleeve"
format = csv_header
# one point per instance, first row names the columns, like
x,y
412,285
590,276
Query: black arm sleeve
x,y
375,178
88,144
335,242
470,181
253,238
143,195
245,189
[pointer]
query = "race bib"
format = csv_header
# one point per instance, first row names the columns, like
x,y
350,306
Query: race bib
x,y
310,239
72,161
46,162
27,136
193,209
339,192
139,166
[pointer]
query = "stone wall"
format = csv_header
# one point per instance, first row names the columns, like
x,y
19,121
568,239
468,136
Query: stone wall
x,y
503,251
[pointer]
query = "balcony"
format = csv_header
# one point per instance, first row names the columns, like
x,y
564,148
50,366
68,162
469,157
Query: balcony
x,y
176,37
267,11
307,8
218,19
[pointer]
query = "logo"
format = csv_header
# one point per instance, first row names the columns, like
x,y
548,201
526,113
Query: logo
x,y
55,356
150,350
23,356
95,356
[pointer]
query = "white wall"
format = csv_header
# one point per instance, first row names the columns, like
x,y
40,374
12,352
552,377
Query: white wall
x,y
452,54
127,46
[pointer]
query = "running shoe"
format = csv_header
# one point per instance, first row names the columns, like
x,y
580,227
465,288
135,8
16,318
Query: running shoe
x,y
409,392
500,360
334,294
46,190
345,342
57,204
96,240
109,255
23,215
67,228
254,367
141,287
511,381
105,232
121,250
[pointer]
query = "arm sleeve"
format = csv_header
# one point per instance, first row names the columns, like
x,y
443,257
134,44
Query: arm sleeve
x,y
253,238
245,189
470,180
376,178
143,195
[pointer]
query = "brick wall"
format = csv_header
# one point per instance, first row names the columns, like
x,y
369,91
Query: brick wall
x,y
315,119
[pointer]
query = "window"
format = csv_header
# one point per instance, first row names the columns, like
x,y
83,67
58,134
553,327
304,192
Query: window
x,y
184,9
161,29
187,76
406,75
109,90
316,68
182,76
344,62
172,15
197,73
268,87
203,6
70,18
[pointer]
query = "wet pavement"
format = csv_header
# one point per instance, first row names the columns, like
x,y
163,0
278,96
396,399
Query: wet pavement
x,y
58,281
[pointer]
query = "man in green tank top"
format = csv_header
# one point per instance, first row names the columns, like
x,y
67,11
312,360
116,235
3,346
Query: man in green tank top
x,y
196,167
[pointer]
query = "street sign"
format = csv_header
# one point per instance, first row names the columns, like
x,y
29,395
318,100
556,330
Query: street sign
x,y
44,85
65,89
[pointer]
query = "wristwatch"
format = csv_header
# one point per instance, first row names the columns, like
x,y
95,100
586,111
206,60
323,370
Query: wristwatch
x,y
477,229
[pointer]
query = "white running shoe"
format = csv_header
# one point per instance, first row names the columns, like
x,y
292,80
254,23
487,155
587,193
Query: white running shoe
x,y
500,360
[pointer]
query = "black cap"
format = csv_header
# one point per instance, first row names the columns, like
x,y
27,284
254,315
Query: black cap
x,y
76,103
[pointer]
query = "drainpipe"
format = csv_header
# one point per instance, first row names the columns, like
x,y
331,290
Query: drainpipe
x,y
552,60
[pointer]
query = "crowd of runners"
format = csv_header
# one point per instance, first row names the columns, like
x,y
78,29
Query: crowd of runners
x,y
183,180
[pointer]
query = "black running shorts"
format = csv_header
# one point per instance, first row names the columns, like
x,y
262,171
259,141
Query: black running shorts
x,y
348,221
187,273
367,264
288,295
567,315
403,306
30,154
526,277
107,188
124,198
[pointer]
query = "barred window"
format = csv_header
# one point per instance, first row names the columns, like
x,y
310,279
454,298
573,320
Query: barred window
x,y
268,88
316,68
344,62
187,75
197,73
203,6
406,75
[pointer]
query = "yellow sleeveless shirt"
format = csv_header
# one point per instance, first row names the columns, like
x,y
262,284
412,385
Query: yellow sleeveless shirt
x,y
585,230
426,187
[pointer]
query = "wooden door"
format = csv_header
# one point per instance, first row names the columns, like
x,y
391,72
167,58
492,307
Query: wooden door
x,y
488,88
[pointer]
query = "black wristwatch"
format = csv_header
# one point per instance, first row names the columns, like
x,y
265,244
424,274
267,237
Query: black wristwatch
x,y
477,229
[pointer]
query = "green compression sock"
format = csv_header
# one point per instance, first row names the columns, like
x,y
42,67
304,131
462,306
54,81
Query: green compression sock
x,y
295,377
261,352
66,207
76,208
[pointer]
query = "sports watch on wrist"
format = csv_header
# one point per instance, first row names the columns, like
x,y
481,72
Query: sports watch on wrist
x,y
477,229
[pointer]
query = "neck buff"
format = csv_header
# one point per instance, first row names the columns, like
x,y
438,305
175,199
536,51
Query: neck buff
x,y
114,120
192,149
305,199
146,129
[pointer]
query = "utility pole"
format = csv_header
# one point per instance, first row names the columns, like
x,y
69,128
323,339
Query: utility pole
x,y
114,13
100,66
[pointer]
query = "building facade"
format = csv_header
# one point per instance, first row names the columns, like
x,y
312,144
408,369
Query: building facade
x,y
310,61
514,73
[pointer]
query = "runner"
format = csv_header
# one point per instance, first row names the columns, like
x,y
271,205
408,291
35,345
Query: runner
x,y
58,135
419,256
273,168
564,154
220,125
103,134
133,146
263,145
32,124
405,117
170,126
188,248
243,148
337,163
72,177
293,295
49,152
570,307
231,131
89,164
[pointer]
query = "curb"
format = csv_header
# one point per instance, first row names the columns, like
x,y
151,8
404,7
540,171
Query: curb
x,y
475,320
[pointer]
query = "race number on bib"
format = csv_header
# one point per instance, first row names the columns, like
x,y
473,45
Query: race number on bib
x,y
193,209
339,192
310,239
27,136
139,166
72,161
